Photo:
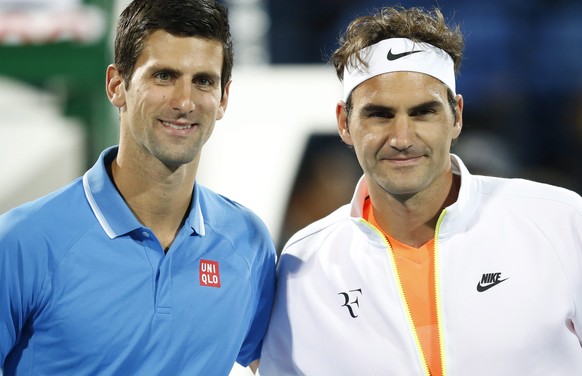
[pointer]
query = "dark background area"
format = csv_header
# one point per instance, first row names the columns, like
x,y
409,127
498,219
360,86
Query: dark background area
x,y
521,79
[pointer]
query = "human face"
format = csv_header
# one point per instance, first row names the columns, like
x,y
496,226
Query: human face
x,y
401,127
168,110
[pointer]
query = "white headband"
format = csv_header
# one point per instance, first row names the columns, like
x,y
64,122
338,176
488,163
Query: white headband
x,y
398,55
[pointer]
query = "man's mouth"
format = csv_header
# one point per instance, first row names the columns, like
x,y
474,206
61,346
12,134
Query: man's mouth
x,y
177,126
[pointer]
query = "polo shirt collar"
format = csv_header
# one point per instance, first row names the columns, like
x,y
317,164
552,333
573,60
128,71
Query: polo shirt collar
x,y
110,209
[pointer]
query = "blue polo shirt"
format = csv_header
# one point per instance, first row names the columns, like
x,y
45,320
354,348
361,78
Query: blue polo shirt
x,y
86,289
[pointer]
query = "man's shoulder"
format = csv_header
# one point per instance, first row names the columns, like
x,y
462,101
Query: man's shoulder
x,y
40,233
309,237
236,223
60,211
221,207
523,190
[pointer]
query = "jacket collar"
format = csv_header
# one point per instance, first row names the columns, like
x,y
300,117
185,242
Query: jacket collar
x,y
457,214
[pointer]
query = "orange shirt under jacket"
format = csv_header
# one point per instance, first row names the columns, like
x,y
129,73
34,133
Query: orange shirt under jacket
x,y
416,271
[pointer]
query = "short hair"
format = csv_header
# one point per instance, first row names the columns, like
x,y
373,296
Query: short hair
x,y
414,23
417,24
188,18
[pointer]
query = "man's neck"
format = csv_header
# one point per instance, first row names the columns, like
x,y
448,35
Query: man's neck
x,y
159,198
413,221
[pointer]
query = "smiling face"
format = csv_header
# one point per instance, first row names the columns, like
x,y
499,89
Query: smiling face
x,y
168,110
401,127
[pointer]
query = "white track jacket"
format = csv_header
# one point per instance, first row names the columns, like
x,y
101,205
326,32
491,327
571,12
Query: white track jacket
x,y
508,278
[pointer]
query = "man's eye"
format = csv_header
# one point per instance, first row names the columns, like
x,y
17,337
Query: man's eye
x,y
202,81
424,112
163,76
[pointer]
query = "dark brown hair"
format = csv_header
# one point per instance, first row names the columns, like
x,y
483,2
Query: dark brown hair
x,y
198,18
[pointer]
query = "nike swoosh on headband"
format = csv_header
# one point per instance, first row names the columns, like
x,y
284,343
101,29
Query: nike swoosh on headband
x,y
392,57
380,59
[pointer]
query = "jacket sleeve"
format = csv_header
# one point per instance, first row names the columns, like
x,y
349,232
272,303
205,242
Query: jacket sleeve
x,y
572,261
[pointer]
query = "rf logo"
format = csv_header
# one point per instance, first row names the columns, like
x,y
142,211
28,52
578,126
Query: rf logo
x,y
351,300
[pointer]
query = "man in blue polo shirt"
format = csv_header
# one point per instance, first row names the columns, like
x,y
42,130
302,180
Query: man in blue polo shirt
x,y
134,269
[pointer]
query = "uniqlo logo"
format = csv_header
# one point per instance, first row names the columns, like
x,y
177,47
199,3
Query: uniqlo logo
x,y
209,273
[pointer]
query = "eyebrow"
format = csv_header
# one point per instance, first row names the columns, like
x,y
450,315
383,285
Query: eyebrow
x,y
426,106
371,108
162,68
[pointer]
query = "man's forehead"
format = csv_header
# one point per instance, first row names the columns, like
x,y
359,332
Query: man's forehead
x,y
162,48
400,85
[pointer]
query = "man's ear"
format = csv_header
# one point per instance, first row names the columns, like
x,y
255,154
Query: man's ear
x,y
459,116
115,86
342,123
223,101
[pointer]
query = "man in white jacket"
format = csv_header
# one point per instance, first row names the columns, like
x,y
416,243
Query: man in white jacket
x,y
429,270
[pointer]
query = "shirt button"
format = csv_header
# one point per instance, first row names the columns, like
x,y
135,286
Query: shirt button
x,y
146,234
